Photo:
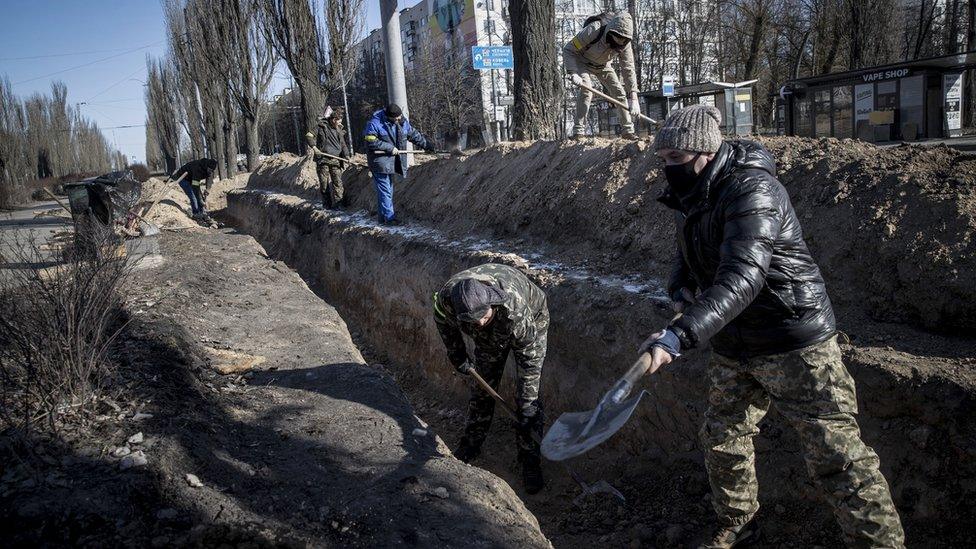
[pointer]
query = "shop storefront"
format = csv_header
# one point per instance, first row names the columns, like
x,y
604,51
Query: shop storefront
x,y
903,102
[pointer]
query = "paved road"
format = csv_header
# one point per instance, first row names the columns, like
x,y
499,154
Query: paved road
x,y
22,224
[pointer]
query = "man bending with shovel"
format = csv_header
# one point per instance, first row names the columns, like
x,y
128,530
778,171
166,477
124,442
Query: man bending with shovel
x,y
744,279
501,310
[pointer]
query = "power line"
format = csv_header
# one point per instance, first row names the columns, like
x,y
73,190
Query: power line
x,y
46,56
123,79
89,63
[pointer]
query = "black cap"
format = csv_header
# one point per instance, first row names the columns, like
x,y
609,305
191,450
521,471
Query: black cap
x,y
472,298
393,110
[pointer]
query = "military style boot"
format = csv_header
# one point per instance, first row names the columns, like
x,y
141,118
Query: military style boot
x,y
532,479
726,537
467,451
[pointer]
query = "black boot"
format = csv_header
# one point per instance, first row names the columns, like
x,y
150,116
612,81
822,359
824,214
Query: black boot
x,y
467,451
532,479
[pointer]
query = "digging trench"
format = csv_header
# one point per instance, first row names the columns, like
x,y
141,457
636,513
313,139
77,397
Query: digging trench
x,y
380,280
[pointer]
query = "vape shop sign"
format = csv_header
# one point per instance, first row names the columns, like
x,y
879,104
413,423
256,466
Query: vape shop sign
x,y
885,75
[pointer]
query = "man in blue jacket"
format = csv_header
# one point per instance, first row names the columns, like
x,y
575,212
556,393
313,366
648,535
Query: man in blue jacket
x,y
387,133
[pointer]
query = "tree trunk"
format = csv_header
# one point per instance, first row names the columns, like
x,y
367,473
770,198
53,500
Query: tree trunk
x,y
636,44
758,29
536,77
856,56
230,137
251,127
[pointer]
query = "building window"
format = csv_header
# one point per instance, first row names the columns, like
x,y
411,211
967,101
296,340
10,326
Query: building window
x,y
912,107
821,105
802,117
843,112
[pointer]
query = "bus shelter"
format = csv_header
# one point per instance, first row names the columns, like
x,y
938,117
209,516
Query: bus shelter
x,y
732,99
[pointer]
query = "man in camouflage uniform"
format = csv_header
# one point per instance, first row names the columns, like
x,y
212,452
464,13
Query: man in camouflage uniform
x,y
745,281
501,310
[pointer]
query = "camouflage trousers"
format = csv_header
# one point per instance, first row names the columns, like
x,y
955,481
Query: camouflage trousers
x,y
330,183
815,393
489,361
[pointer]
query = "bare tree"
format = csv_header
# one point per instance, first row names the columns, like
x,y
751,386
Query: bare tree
x,y
344,21
162,112
294,34
43,136
536,75
443,89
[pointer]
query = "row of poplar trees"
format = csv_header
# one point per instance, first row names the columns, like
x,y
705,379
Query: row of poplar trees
x,y
207,97
43,136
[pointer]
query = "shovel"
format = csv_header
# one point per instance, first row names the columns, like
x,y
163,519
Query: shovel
x,y
620,104
576,432
600,486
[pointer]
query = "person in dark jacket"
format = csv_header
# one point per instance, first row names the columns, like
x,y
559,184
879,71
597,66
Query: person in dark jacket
x,y
329,138
198,172
744,280
387,134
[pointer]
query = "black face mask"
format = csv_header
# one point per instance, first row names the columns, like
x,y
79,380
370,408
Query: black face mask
x,y
682,177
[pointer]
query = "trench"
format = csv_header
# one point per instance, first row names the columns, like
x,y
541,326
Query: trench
x,y
380,279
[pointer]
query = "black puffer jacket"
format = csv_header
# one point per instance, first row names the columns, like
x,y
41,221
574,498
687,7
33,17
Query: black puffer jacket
x,y
741,250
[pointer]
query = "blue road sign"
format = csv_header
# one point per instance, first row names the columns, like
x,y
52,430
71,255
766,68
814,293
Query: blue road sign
x,y
486,58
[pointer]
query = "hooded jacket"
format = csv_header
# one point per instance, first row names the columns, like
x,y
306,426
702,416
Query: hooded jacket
x,y
519,305
330,140
197,171
382,136
741,249
590,49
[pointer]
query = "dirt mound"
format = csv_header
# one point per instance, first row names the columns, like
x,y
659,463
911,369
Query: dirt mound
x,y
173,209
893,229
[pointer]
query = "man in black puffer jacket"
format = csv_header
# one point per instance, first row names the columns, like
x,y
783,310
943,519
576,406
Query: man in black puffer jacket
x,y
744,279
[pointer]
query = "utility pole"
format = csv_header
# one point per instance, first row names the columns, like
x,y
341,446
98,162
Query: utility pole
x,y
345,105
495,125
396,82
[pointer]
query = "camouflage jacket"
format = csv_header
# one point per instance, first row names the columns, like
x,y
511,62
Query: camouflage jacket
x,y
515,325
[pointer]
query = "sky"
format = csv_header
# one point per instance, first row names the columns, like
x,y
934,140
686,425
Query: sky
x,y
98,49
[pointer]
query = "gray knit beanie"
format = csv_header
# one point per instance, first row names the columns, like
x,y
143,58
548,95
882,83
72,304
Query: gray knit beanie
x,y
693,128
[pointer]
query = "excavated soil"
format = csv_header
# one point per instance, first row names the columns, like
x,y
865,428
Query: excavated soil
x,y
173,209
301,444
581,219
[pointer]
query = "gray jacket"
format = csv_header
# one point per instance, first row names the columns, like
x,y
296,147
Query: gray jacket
x,y
590,50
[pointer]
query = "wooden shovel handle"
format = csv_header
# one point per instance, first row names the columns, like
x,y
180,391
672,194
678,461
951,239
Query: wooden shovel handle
x,y
615,102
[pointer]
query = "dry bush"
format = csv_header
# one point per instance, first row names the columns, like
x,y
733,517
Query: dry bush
x,y
140,172
59,312
12,194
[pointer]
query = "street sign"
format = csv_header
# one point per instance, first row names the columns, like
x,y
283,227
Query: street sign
x,y
486,58
506,100
667,86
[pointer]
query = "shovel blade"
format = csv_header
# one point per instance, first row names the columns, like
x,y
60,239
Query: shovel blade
x,y
569,437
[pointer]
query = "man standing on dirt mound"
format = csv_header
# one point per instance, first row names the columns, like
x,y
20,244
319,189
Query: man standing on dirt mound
x,y
501,310
330,139
744,279
604,37
387,134
197,173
